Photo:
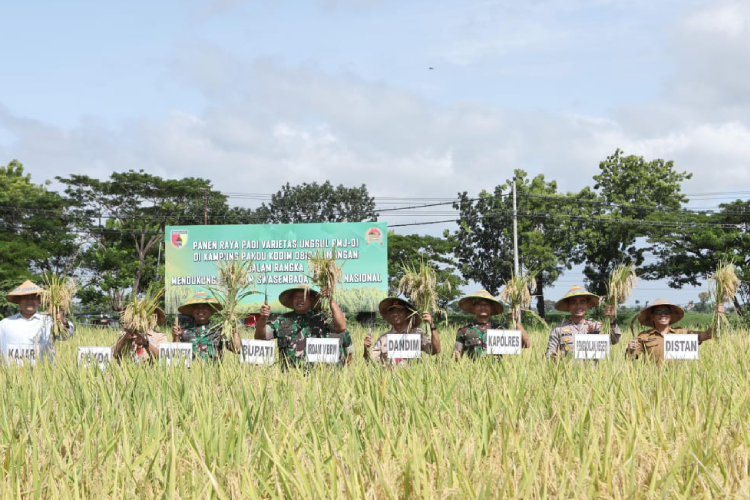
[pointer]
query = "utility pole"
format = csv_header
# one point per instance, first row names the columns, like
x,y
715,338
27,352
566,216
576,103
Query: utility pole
x,y
205,208
515,230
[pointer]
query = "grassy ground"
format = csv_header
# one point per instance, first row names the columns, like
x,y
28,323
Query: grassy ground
x,y
519,428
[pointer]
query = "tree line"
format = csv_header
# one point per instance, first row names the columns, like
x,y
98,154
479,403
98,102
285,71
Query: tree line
x,y
109,232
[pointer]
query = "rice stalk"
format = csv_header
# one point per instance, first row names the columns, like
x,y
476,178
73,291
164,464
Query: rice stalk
x,y
620,286
234,285
139,315
722,286
419,284
518,294
325,273
57,296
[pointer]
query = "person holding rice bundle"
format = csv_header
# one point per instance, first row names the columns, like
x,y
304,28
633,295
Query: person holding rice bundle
x,y
660,316
29,326
577,302
207,339
472,338
305,320
143,347
403,318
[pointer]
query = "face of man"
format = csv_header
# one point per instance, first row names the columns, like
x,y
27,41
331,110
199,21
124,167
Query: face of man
x,y
662,316
202,313
302,302
482,310
398,316
29,304
578,307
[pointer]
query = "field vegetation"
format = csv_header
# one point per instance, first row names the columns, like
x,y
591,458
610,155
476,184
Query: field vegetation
x,y
518,428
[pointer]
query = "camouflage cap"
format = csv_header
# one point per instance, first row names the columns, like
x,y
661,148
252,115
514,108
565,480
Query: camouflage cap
x,y
467,303
645,318
199,298
389,302
25,288
576,291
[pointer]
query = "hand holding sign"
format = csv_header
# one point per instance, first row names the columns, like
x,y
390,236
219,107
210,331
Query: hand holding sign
x,y
633,344
176,330
265,311
610,312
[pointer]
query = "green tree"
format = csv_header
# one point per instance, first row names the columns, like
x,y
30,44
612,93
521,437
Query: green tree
x,y
438,252
318,203
630,193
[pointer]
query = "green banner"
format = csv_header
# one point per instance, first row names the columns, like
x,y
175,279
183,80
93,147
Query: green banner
x,y
280,254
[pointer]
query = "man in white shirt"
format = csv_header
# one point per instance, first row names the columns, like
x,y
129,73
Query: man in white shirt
x,y
28,327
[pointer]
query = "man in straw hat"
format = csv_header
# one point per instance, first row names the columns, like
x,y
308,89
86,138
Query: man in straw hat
x,y
29,326
303,321
472,338
144,348
577,301
207,340
660,316
403,318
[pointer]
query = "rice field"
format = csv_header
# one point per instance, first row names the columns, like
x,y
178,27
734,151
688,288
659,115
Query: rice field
x,y
518,428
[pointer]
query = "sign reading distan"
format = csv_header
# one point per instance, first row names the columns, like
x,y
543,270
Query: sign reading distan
x,y
681,346
94,356
404,345
591,346
504,342
322,350
174,353
258,352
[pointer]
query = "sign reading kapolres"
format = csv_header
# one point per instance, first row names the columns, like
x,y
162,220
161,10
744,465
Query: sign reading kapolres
x,y
279,253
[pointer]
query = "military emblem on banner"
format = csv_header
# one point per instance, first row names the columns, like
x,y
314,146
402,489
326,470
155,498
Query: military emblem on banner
x,y
179,237
374,235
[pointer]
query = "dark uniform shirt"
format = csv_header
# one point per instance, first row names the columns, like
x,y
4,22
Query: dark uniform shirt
x,y
292,330
472,338
207,341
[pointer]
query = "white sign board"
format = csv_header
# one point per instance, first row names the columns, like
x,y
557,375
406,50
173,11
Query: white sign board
x,y
175,352
21,354
322,350
88,356
505,342
681,346
404,345
258,352
591,346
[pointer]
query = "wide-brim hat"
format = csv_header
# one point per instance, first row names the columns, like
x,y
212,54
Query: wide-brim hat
x,y
645,318
576,291
160,316
287,296
25,288
199,298
467,303
387,302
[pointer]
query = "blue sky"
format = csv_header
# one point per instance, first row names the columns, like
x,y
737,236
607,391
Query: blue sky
x,y
259,93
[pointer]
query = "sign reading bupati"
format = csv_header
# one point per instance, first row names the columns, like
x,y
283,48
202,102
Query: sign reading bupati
x,y
258,352
404,345
173,353
21,354
322,350
280,254
681,346
504,342
591,346
90,356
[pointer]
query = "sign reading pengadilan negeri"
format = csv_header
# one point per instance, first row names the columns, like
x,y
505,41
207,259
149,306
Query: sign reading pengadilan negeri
x,y
279,254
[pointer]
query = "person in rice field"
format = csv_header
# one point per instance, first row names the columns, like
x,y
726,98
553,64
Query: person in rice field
x,y
305,320
577,302
29,326
207,339
141,347
471,339
660,316
403,318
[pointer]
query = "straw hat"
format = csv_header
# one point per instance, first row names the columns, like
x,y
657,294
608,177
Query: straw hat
x,y
576,291
387,302
286,297
26,288
645,318
198,298
160,316
467,303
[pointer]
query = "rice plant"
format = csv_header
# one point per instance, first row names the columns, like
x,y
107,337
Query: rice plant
x,y
234,285
722,286
620,285
57,296
325,273
139,315
518,294
419,283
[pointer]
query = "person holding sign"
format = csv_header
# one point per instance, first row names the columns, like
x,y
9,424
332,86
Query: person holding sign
x,y
304,321
144,348
28,326
404,319
207,340
660,316
472,338
577,302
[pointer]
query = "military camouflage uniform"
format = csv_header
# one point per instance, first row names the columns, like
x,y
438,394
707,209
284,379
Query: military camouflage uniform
x,y
207,341
380,347
561,336
652,343
291,330
472,338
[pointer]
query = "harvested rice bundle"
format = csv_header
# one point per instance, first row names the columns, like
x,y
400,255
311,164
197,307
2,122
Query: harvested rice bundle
x,y
722,286
419,284
233,287
518,294
140,314
620,286
57,297
325,273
